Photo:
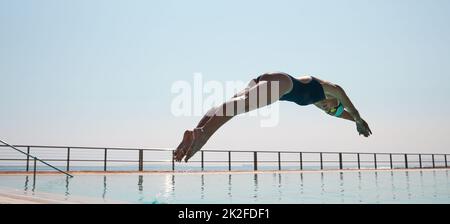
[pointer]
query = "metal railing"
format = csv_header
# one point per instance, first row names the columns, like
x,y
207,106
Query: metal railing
x,y
35,159
301,160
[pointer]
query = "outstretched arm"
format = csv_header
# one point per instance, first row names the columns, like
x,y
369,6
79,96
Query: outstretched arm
x,y
347,116
339,93
350,113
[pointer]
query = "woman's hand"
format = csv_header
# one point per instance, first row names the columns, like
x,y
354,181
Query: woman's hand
x,y
363,128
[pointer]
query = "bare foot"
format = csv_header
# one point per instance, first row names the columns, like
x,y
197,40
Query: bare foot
x,y
200,139
181,150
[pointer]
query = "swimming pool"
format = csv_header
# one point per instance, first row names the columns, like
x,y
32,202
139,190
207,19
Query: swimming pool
x,y
398,186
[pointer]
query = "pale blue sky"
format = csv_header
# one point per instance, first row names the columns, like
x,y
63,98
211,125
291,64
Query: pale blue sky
x,y
99,72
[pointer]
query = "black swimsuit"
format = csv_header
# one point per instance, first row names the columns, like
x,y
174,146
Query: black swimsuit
x,y
303,93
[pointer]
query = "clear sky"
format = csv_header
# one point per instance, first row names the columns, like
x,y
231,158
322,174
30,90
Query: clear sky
x,y
99,73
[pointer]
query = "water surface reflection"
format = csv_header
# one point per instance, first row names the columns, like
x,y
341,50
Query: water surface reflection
x,y
424,186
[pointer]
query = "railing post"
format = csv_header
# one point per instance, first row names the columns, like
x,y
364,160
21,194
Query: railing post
x,y
375,160
229,160
203,161
255,161
301,161
406,161
173,160
68,160
340,161
432,158
390,161
34,171
446,165
321,161
141,160
279,160
35,158
28,158
359,162
420,161
105,159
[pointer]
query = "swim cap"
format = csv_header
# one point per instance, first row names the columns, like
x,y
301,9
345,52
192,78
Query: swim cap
x,y
339,110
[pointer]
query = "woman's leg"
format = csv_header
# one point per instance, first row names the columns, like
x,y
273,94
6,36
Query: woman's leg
x,y
213,110
270,88
252,83
187,137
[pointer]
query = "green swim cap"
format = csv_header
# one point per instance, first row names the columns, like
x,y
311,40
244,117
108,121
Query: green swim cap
x,y
339,110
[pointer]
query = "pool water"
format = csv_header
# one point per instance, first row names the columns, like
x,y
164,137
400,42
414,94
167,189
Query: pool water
x,y
426,186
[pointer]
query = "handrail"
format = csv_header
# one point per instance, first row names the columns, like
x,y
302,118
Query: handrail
x,y
221,150
34,157
376,158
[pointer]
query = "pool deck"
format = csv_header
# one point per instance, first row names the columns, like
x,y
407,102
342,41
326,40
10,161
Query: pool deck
x,y
14,196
